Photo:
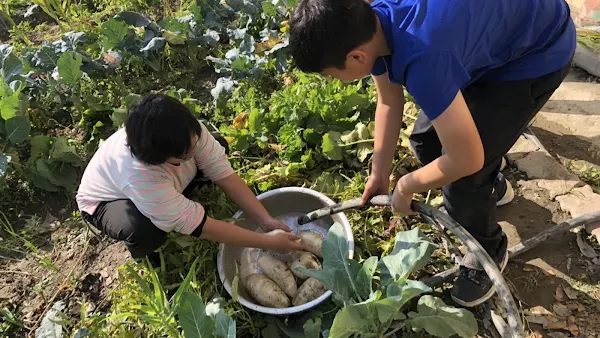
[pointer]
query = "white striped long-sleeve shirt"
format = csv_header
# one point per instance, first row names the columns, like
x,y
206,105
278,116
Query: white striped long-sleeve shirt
x,y
156,190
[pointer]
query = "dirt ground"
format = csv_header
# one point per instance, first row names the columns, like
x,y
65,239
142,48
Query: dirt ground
x,y
555,277
82,271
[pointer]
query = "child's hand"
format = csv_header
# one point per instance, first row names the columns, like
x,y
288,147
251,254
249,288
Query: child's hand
x,y
284,243
273,224
376,186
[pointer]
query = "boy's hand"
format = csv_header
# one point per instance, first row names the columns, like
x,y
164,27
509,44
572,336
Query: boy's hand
x,y
273,224
376,185
401,202
284,243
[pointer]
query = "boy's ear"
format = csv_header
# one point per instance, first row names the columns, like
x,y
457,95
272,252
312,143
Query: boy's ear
x,y
356,57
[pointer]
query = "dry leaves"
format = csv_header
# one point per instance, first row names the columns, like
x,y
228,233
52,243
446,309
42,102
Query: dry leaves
x,y
540,320
570,292
559,294
557,335
536,334
584,247
561,319
575,307
538,311
561,310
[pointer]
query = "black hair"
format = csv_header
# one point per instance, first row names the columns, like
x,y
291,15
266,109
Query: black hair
x,y
323,32
160,127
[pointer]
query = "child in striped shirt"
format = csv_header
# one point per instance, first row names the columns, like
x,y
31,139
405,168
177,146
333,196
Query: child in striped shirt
x,y
136,185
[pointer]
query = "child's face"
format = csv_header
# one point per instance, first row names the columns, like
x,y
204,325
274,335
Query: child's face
x,y
189,156
359,63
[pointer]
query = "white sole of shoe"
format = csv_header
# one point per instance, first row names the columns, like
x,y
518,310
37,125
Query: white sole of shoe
x,y
488,295
503,165
509,195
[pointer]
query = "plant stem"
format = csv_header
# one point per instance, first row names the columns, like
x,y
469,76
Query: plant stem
x,y
395,329
371,140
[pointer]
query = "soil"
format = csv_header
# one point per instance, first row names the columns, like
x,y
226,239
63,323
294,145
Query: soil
x,y
84,266
36,17
535,276
538,277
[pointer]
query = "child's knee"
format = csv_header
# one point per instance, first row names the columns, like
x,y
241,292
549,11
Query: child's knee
x,y
142,243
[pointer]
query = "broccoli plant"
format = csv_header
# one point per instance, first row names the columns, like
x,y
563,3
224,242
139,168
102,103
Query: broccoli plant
x,y
371,306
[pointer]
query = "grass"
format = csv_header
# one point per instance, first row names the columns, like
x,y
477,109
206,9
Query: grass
x,y
587,172
589,38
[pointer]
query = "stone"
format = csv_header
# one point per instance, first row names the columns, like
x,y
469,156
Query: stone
x,y
540,165
558,187
520,149
580,201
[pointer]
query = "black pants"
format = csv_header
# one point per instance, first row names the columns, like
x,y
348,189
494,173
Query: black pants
x,y
501,112
122,221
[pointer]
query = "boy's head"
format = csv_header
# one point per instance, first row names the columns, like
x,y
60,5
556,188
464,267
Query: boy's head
x,y
334,38
161,129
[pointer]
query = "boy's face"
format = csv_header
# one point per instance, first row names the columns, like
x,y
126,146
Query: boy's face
x,y
359,64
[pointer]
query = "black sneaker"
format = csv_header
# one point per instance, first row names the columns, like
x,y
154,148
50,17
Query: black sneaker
x,y
473,286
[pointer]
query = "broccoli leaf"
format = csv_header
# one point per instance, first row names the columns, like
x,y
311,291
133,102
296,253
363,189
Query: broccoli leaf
x,y
441,320
69,68
113,31
331,146
411,252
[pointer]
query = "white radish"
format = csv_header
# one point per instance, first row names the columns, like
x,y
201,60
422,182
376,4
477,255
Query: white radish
x,y
310,290
312,242
303,259
248,259
279,231
266,292
279,272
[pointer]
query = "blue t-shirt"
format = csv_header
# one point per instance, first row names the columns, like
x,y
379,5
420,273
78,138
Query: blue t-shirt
x,y
439,47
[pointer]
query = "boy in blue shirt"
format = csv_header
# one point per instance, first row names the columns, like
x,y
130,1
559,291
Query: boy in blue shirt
x,y
479,69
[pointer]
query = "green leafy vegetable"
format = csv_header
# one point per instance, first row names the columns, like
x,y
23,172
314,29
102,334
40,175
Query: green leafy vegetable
x,y
312,328
193,318
69,68
9,106
331,146
370,313
411,252
441,320
17,129
113,31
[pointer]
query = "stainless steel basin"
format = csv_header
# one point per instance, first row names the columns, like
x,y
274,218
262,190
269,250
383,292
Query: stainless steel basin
x,y
285,204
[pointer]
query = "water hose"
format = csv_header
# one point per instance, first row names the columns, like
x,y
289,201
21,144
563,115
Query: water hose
x,y
484,259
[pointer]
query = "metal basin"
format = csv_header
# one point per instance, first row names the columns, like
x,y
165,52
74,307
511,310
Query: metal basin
x,y
285,204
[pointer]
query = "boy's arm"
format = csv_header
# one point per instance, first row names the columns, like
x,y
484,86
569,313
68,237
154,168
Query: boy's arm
x,y
464,155
238,191
388,122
